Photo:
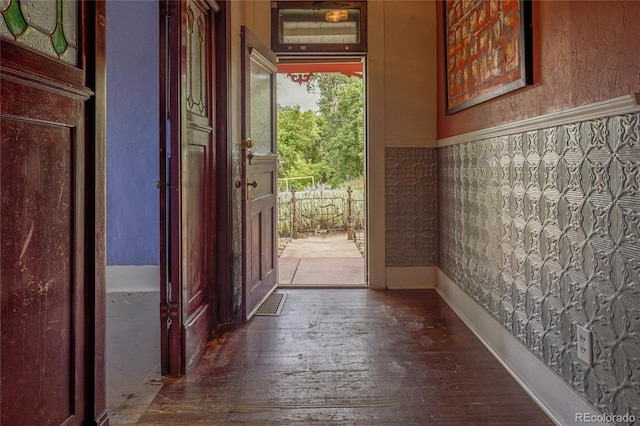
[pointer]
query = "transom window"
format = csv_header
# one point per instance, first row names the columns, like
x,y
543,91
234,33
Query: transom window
x,y
307,27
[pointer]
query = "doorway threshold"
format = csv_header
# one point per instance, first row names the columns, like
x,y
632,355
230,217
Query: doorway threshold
x,y
321,286
321,272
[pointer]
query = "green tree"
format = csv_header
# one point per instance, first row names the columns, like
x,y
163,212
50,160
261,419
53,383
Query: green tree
x,y
341,123
298,143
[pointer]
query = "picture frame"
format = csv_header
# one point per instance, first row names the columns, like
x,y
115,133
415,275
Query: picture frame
x,y
487,48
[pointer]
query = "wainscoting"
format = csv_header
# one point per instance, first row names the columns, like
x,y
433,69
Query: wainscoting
x,y
541,228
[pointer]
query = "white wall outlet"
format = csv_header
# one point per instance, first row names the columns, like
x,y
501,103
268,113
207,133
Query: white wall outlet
x,y
584,345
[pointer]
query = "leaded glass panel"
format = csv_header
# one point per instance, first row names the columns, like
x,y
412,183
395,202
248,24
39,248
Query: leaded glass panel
x,y
36,40
261,105
196,61
47,26
70,19
4,30
40,15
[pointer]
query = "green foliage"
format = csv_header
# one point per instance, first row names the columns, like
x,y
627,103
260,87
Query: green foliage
x,y
328,145
298,143
341,122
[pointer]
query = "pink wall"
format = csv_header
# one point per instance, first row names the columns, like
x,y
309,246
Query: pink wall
x,y
584,52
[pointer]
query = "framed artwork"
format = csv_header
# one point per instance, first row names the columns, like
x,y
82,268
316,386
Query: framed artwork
x,y
487,50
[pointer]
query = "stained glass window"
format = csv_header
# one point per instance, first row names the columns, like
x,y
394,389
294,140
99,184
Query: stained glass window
x,y
48,26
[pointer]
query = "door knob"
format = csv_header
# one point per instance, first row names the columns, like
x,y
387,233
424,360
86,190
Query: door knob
x,y
248,144
253,184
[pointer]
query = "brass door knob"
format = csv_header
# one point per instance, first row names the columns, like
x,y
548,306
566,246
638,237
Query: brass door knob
x,y
253,184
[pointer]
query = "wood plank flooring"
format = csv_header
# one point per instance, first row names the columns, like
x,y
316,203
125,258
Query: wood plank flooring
x,y
347,357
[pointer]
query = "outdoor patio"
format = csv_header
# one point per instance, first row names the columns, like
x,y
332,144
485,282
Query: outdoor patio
x,y
330,260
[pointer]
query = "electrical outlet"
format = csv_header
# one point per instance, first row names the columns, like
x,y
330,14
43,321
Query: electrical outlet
x,y
584,345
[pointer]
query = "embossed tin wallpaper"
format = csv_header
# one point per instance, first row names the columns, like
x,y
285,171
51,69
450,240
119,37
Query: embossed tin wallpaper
x,y
411,230
542,229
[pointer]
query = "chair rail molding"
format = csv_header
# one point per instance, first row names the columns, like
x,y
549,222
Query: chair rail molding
x,y
616,106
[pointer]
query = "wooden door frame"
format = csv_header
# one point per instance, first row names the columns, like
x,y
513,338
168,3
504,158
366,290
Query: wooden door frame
x,y
93,15
223,163
167,70
314,57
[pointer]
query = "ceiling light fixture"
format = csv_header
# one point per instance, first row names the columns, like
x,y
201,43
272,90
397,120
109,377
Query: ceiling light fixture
x,y
336,15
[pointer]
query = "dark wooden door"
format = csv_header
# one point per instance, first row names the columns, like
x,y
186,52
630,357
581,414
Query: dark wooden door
x,y
259,173
188,261
52,213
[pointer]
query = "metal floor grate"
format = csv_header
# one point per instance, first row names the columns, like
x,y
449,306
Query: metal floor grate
x,y
273,305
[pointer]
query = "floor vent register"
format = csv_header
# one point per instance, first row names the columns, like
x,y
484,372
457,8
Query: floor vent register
x,y
272,306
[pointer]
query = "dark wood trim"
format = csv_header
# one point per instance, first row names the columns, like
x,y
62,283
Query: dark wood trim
x,y
15,103
93,43
223,164
79,93
176,100
83,265
40,68
211,227
163,185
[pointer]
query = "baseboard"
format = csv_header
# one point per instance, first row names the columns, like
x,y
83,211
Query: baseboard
x,y
411,277
133,278
552,394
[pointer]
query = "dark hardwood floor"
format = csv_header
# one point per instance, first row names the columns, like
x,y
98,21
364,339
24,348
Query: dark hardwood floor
x,y
348,357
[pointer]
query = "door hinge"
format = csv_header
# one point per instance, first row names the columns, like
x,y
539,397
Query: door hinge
x,y
168,311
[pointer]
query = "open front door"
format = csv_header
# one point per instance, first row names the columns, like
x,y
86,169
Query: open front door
x,y
259,173
188,202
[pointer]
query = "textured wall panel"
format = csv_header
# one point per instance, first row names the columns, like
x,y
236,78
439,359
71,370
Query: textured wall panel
x,y
236,226
542,228
411,235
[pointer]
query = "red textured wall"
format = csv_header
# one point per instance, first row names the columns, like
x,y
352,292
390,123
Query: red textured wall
x,y
584,52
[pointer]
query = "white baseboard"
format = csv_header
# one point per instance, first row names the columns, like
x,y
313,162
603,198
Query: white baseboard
x,y
411,277
552,394
133,278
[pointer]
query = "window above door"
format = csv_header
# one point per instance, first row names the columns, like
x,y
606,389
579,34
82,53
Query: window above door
x,y
302,27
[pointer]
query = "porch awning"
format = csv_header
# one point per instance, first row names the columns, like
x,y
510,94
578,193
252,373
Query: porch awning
x,y
301,72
